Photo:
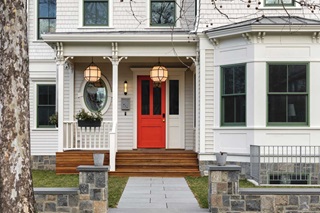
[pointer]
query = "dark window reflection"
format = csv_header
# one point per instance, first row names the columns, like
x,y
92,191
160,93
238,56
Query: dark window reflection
x,y
174,97
145,97
233,94
288,99
46,104
157,100
95,95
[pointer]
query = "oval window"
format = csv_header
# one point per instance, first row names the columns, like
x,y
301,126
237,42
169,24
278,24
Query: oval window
x,y
95,95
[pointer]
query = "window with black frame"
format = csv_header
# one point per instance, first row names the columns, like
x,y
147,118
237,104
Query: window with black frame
x,y
162,13
287,94
233,95
46,17
95,13
46,104
278,3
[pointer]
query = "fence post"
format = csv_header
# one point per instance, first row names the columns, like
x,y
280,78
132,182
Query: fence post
x,y
224,189
93,189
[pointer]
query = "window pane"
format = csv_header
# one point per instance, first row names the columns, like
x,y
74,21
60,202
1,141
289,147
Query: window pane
x,y
46,104
239,79
297,75
279,2
162,13
44,112
43,8
277,108
297,108
228,109
174,97
96,13
277,78
157,100
95,95
145,97
228,80
46,25
52,8
240,103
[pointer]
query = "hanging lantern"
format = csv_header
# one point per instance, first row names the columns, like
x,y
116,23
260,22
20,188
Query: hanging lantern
x,y
92,73
159,73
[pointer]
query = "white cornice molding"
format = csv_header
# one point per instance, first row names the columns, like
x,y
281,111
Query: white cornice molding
x,y
263,28
112,37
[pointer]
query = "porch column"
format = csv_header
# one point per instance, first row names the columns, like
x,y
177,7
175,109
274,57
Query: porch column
x,y
115,60
60,61
59,93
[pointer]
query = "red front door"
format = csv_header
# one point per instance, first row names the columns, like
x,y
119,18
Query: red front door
x,y
151,114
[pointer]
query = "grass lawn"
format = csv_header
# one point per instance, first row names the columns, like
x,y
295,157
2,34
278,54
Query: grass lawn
x,y
43,178
199,187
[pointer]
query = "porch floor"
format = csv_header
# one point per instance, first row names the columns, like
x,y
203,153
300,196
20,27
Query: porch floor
x,y
141,162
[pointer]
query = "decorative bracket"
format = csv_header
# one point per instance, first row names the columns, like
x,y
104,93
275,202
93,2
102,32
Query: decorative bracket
x,y
214,41
115,58
316,37
261,36
246,36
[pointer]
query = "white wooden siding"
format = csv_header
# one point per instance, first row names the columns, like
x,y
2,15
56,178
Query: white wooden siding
x,y
237,11
209,102
189,130
43,141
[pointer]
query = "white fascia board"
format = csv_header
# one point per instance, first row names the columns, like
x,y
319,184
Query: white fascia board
x,y
107,37
263,28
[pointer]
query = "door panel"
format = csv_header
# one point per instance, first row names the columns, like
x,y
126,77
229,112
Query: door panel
x,y
151,114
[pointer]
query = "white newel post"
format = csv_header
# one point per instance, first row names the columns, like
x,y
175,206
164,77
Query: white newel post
x,y
115,60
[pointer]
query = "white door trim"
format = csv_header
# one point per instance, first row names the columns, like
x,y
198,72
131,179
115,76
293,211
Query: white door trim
x,y
146,71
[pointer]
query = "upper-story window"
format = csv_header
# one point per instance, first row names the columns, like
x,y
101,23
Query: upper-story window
x,y
233,95
277,3
95,13
163,13
287,94
46,16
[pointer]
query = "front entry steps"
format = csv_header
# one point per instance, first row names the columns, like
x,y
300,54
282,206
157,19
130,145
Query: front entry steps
x,y
156,163
138,163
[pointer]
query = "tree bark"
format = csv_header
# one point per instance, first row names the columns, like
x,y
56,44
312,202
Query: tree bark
x,y
16,190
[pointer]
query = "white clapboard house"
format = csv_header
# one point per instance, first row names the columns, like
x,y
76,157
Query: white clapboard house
x,y
218,83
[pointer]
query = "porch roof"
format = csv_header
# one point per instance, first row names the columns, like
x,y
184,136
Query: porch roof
x,y
266,24
120,36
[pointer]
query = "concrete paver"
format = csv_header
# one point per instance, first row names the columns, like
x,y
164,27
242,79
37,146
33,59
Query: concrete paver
x,y
157,195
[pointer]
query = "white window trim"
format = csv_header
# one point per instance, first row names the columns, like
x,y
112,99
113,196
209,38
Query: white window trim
x,y
35,103
177,13
36,27
109,95
110,17
266,7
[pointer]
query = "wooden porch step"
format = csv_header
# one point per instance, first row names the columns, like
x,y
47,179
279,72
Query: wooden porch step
x,y
68,161
149,162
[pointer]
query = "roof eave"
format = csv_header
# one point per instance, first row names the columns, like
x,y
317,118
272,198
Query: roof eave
x,y
262,28
105,37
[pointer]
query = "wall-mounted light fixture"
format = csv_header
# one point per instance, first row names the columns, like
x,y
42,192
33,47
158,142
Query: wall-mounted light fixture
x,y
92,73
125,87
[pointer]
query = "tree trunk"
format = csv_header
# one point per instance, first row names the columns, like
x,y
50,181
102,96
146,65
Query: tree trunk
x,y
16,190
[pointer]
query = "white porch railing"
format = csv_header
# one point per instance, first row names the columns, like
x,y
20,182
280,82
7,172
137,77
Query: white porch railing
x,y
86,138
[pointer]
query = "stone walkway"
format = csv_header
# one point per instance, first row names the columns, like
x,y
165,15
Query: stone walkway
x,y
157,195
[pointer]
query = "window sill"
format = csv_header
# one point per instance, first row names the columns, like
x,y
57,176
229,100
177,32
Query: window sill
x,y
44,129
95,27
162,27
280,7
